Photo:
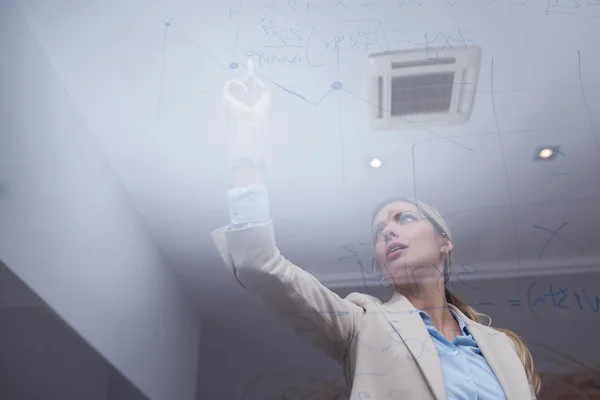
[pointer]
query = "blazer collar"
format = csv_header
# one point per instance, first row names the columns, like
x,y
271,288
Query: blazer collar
x,y
408,324
487,340
406,321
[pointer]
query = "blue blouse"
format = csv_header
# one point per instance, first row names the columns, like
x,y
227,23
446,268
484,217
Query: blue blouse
x,y
467,375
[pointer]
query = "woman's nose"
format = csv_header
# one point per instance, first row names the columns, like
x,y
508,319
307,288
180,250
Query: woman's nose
x,y
389,235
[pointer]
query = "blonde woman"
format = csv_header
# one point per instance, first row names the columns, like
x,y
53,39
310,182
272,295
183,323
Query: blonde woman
x,y
424,343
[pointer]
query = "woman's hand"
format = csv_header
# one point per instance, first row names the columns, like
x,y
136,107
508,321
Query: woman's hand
x,y
248,101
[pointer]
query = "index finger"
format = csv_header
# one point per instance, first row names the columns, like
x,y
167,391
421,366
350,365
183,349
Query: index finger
x,y
261,85
229,98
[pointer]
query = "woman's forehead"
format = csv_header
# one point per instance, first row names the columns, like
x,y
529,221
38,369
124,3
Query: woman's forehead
x,y
393,208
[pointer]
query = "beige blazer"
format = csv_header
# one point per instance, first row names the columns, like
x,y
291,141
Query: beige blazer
x,y
384,348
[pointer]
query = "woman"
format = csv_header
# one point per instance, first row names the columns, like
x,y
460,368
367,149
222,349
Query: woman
x,y
424,343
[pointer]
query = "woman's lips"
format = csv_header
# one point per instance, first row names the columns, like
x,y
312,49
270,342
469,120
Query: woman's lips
x,y
395,254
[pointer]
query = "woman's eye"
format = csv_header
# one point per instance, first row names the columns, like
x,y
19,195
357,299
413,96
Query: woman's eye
x,y
401,218
406,218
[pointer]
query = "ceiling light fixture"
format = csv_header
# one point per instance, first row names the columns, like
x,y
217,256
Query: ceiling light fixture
x,y
545,153
375,163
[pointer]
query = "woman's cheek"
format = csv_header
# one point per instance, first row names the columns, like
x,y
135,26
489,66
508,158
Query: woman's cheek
x,y
379,257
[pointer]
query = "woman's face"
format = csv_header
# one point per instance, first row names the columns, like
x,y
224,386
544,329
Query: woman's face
x,y
407,245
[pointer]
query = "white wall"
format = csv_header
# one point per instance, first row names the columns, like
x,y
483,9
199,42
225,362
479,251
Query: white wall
x,y
68,230
42,358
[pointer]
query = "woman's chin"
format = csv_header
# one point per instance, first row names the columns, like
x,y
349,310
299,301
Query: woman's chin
x,y
408,271
403,265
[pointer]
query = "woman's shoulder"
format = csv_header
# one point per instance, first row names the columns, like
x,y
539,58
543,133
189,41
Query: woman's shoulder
x,y
363,300
482,326
485,328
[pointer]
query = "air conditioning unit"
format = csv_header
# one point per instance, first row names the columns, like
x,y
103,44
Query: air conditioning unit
x,y
410,87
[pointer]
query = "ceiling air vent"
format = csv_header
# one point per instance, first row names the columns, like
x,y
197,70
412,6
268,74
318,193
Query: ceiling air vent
x,y
409,87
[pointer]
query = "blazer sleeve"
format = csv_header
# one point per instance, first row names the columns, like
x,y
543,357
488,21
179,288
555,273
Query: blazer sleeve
x,y
311,309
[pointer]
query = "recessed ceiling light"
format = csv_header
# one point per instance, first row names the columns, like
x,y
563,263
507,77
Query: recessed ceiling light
x,y
375,163
545,153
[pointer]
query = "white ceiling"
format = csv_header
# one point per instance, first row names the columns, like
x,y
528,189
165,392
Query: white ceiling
x,y
540,58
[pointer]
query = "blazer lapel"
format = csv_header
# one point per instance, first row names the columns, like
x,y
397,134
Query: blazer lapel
x,y
409,325
490,342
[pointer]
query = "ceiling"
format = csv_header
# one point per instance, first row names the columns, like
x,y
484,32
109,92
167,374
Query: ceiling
x,y
146,77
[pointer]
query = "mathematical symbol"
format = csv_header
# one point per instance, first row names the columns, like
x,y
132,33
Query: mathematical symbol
x,y
262,19
447,40
555,233
560,295
270,7
276,33
338,40
340,3
336,44
296,35
540,299
428,46
514,303
366,43
462,38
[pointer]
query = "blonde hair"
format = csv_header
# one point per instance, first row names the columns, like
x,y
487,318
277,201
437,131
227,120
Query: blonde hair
x,y
441,227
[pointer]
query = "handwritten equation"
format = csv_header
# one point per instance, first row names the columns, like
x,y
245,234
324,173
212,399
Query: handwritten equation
x,y
539,296
579,8
556,297
303,41
364,34
559,297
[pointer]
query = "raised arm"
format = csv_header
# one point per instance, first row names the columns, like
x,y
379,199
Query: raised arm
x,y
311,309
249,250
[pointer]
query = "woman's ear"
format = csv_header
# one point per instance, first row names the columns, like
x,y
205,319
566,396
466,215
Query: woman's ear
x,y
446,246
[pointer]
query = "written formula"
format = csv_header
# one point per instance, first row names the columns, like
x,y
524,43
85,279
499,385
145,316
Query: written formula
x,y
309,324
554,295
581,8
559,297
360,35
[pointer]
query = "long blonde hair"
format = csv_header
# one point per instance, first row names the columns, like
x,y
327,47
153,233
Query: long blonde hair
x,y
442,228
